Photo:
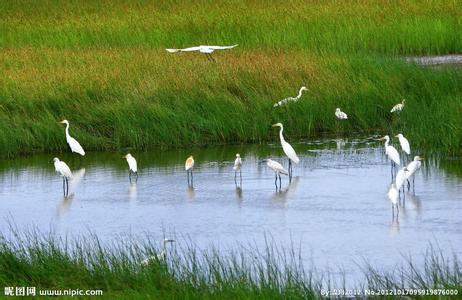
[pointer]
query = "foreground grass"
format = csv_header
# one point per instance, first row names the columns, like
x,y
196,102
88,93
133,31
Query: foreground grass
x,y
102,65
48,262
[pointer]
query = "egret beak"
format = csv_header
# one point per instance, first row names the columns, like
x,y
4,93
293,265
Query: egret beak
x,y
274,125
397,135
421,158
124,156
61,122
381,139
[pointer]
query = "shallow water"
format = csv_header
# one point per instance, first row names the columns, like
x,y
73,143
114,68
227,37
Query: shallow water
x,y
335,208
436,60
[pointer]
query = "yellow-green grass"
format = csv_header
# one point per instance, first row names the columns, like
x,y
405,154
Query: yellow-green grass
x,y
102,65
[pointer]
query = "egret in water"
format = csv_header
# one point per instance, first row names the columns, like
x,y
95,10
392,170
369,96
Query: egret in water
x,y
404,143
278,170
237,168
340,114
393,196
188,166
132,166
401,176
391,152
398,107
288,150
202,49
162,256
73,144
291,99
413,166
63,169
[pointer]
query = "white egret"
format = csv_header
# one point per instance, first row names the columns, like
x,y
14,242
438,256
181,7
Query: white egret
x,y
188,166
401,176
291,99
413,166
288,150
398,107
404,143
63,169
393,196
237,167
278,170
132,166
391,152
73,144
162,256
340,114
202,49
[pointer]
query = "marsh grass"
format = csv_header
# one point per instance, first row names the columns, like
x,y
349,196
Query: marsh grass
x,y
102,65
49,262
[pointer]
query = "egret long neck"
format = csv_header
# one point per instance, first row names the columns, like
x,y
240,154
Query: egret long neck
x,y
281,136
300,93
67,131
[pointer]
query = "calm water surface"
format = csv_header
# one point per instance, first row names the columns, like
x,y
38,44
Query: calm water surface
x,y
336,207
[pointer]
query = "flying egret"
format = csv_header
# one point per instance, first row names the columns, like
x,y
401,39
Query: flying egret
x,y
278,170
393,196
63,169
162,256
391,152
132,166
292,99
288,150
340,114
188,166
413,166
202,49
398,107
237,167
73,144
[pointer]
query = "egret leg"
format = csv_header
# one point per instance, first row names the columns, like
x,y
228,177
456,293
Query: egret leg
x,y
290,170
67,187
413,185
187,174
136,176
392,211
276,181
235,175
64,186
397,211
192,178
130,175
240,176
408,184
280,181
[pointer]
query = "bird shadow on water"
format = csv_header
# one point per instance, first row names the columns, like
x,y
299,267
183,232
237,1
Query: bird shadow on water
x,y
280,196
190,193
66,201
132,192
238,194
64,205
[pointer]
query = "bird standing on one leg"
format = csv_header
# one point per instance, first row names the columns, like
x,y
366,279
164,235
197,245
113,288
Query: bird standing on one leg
x,y
132,166
63,169
188,166
237,168
288,150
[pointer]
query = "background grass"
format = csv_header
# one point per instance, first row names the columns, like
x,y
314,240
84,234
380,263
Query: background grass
x,y
102,65
50,262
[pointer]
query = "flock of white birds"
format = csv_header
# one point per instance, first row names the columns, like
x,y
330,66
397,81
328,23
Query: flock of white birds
x,y
394,192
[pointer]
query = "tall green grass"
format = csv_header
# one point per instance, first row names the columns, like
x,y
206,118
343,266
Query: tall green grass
x,y
49,262
102,65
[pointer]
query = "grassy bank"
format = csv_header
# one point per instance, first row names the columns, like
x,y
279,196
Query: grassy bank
x,y
47,262
107,72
